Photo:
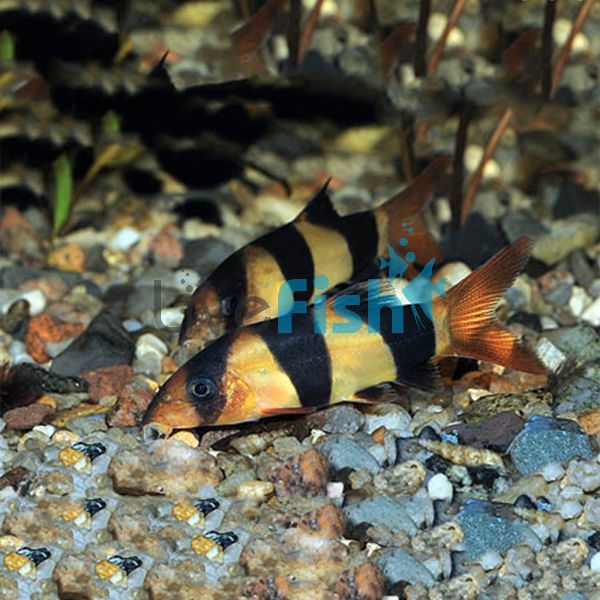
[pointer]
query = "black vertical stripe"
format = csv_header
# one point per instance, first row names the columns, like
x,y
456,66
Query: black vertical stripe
x,y
303,355
412,348
227,280
289,248
361,235
210,363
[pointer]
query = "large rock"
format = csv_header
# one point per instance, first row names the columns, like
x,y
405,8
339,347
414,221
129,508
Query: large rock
x,y
105,342
488,526
166,467
382,510
546,440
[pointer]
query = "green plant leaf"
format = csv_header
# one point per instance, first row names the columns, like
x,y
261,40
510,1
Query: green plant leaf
x,y
111,122
63,191
7,46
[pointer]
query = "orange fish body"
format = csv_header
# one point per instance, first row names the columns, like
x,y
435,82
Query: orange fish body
x,y
259,370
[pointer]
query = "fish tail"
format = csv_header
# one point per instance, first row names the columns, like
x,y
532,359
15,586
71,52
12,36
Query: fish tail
x,y
403,212
468,324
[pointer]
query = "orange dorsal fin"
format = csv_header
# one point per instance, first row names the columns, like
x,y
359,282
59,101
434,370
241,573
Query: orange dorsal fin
x,y
468,319
405,207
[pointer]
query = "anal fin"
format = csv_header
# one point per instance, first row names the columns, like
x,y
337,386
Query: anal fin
x,y
375,395
424,376
295,410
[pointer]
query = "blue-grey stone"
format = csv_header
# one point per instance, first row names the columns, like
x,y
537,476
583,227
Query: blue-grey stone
x,y
398,565
343,452
382,510
487,526
546,440
578,395
580,342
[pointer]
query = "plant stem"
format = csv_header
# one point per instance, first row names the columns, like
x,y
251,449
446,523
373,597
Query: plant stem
x,y
547,47
469,196
438,50
563,55
420,58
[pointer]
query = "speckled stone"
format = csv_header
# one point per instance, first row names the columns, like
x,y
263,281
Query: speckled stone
x,y
546,440
398,565
486,528
382,510
343,452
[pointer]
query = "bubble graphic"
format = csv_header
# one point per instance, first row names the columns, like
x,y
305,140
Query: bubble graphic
x,y
321,282
403,241
411,230
410,256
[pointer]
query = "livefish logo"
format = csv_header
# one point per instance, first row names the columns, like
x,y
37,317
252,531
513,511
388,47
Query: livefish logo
x,y
417,292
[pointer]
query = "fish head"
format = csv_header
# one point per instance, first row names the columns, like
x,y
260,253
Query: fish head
x,y
216,306
206,390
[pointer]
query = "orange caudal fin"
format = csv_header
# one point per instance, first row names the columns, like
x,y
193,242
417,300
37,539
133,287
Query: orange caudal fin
x,y
467,311
403,212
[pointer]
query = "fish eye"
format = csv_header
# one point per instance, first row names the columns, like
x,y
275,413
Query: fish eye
x,y
228,305
202,388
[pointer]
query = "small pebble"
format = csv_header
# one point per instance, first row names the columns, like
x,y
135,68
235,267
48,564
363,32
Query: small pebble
x,y
439,487
124,239
553,471
491,560
585,475
591,314
595,563
255,490
570,509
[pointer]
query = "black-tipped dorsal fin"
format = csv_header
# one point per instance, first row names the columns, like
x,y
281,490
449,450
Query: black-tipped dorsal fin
x,y
320,209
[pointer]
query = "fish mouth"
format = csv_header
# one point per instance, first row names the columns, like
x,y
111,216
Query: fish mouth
x,y
172,414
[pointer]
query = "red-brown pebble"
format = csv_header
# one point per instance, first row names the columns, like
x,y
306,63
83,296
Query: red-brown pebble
x,y
133,400
46,328
17,236
166,248
69,257
52,286
363,582
306,473
107,381
267,588
27,417
327,521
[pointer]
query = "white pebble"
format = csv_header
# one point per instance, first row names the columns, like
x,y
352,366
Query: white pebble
x,y
453,273
579,301
440,488
490,560
570,509
562,29
335,489
550,355
35,299
473,156
548,323
553,471
124,239
394,418
591,314
47,430
131,325
150,344
171,317
595,563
